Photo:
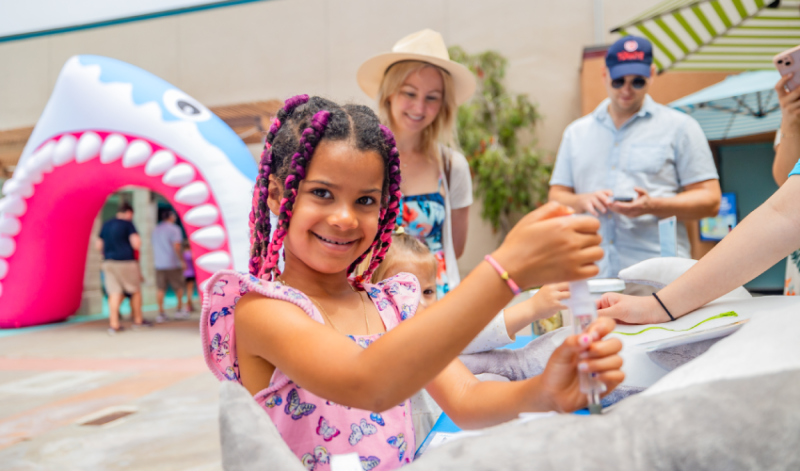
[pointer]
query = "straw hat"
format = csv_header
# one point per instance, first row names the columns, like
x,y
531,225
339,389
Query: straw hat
x,y
426,46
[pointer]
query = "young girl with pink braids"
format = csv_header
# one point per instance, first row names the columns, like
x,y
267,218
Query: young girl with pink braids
x,y
333,359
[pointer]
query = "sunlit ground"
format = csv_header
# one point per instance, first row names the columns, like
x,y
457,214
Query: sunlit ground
x,y
54,378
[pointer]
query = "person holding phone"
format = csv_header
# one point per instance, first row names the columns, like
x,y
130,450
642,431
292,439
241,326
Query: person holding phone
x,y
787,147
633,161
787,139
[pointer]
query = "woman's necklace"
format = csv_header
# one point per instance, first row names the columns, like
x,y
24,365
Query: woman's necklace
x,y
325,314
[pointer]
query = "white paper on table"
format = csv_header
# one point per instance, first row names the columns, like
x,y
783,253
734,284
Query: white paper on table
x,y
641,371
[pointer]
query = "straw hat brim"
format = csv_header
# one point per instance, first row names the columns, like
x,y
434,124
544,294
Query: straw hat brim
x,y
370,74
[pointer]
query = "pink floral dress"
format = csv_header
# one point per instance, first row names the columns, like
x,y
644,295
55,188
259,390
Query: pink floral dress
x,y
313,427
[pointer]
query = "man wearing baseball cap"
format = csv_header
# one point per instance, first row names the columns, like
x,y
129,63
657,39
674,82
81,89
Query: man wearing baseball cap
x,y
633,161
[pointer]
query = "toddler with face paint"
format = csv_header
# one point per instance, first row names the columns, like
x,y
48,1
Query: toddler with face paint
x,y
334,359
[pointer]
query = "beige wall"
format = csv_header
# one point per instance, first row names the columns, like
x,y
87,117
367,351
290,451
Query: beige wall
x,y
275,49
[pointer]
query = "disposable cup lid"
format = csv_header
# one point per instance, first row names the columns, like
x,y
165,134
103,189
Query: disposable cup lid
x,y
606,285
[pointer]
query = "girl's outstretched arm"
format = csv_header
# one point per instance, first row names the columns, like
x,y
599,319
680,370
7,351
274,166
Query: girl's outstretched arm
x,y
475,404
764,237
542,305
541,249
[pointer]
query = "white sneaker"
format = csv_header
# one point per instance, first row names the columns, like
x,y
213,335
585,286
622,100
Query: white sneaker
x,y
182,314
161,318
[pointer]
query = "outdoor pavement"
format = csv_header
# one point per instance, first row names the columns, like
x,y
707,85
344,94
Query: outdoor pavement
x,y
54,378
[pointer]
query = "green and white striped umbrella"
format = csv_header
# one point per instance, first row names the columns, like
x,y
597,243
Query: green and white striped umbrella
x,y
717,34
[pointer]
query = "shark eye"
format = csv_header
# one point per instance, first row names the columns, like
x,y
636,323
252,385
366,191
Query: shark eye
x,y
185,107
188,108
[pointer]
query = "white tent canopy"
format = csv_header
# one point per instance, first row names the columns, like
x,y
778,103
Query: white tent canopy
x,y
717,34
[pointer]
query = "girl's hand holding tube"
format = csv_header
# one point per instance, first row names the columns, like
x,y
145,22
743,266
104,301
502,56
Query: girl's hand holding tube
x,y
559,383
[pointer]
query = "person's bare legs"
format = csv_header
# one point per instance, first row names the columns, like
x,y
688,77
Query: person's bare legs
x,y
114,302
160,294
179,295
136,308
189,293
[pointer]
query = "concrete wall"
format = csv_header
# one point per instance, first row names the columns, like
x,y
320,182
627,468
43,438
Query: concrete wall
x,y
275,49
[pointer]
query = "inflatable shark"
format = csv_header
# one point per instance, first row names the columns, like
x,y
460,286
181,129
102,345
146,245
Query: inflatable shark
x,y
109,124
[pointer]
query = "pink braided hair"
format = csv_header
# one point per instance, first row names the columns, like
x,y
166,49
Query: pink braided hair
x,y
259,214
308,141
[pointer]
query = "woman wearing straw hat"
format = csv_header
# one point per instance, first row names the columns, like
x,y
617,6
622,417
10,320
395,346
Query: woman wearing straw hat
x,y
418,90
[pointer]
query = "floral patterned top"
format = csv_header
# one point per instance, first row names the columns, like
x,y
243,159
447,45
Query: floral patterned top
x,y
313,427
423,217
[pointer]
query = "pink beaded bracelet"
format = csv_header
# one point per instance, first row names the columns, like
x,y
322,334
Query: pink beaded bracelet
x,y
503,274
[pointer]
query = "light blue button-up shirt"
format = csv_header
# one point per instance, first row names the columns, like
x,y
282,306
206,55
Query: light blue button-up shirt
x,y
659,149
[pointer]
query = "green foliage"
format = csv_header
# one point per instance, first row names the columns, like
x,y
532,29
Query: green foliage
x,y
510,177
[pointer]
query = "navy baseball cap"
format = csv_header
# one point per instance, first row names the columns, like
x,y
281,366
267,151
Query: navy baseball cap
x,y
630,55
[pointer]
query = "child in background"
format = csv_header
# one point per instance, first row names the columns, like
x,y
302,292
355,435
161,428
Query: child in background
x,y
333,360
189,275
408,254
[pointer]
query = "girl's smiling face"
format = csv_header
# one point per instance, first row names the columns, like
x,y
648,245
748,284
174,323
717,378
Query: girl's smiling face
x,y
335,215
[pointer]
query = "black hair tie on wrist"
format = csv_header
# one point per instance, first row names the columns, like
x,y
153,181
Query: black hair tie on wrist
x,y
662,305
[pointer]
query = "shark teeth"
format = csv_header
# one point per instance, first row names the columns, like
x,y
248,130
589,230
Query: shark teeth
x,y
193,194
28,175
202,215
9,225
211,237
113,148
13,205
179,175
214,261
136,154
65,150
159,163
88,147
7,247
42,159
18,187
84,147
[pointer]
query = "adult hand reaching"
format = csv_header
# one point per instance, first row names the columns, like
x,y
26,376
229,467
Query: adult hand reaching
x,y
631,309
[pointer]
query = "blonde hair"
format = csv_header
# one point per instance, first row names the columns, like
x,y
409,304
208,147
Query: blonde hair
x,y
443,129
403,246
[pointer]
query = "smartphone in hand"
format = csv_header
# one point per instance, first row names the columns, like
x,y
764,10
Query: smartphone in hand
x,y
789,62
623,199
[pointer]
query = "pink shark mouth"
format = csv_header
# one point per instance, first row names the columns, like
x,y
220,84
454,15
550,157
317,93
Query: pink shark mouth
x,y
44,240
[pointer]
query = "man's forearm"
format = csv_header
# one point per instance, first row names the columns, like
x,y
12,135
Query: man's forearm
x,y
179,252
565,197
691,204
